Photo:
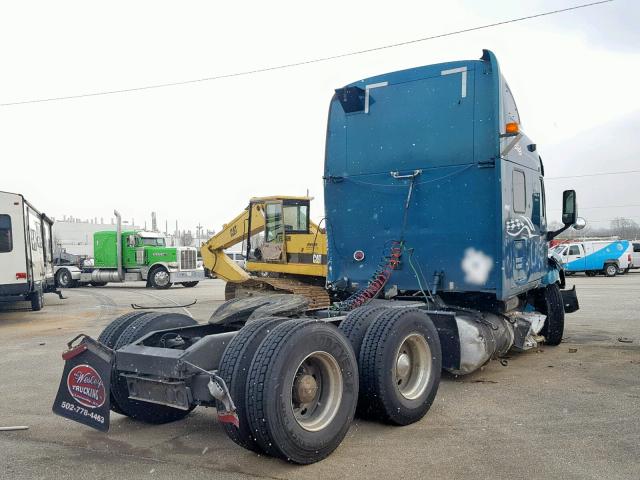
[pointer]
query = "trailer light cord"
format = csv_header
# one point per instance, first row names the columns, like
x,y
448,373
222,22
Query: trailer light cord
x,y
377,282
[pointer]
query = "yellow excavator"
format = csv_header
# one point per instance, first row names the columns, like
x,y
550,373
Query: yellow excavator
x,y
285,251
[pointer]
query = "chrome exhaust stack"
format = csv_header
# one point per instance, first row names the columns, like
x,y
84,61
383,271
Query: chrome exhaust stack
x,y
119,245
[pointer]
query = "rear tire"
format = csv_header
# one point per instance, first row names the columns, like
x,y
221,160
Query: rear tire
x,y
551,304
189,284
355,328
109,337
400,366
610,269
64,279
591,273
112,332
37,300
302,391
234,369
145,411
357,322
98,284
159,278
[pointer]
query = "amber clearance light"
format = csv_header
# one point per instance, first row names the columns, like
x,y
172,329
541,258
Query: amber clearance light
x,y
512,128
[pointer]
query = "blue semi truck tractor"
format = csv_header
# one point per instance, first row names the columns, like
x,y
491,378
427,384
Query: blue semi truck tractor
x,y
438,259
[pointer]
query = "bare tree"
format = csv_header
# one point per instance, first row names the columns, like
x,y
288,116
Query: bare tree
x,y
624,227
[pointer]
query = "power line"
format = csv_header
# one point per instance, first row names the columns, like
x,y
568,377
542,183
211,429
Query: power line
x,y
593,174
305,62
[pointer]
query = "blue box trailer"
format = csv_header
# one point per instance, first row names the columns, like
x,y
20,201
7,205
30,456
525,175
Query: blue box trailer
x,y
476,219
437,238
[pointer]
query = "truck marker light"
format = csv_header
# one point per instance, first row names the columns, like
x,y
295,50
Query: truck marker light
x,y
358,255
21,275
512,128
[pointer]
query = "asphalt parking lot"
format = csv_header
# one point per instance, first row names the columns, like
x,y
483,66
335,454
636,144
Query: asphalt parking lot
x,y
571,411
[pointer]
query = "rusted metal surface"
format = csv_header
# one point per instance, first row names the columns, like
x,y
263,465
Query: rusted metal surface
x,y
317,295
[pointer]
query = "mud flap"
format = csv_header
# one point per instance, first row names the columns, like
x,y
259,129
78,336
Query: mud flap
x,y
83,394
570,300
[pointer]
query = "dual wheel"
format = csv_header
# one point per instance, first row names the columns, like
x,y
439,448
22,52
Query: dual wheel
x,y
295,387
296,383
125,330
399,359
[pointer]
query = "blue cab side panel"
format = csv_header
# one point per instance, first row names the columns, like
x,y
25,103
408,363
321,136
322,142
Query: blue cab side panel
x,y
445,121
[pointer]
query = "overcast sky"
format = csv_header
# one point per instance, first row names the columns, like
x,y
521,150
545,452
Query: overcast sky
x,y
198,152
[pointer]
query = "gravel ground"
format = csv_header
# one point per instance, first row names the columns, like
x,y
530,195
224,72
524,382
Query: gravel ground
x,y
571,411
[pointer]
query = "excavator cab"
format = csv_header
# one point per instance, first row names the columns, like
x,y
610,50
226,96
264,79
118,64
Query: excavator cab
x,y
283,219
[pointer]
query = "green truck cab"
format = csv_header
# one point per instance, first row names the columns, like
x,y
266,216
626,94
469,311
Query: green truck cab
x,y
145,256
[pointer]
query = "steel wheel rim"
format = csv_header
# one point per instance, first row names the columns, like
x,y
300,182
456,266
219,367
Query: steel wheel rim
x,y
65,277
316,391
412,367
611,269
161,278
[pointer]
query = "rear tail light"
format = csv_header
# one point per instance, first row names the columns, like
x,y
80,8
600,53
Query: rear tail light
x,y
629,257
21,275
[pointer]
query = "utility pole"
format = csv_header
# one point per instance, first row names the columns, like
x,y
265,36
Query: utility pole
x,y
198,232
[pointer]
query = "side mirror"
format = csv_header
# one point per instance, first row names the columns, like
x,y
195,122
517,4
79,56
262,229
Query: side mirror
x,y
580,223
569,207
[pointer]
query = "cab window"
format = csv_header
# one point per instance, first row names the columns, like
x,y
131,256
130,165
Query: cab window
x,y
6,236
574,250
519,192
543,199
296,218
509,105
152,242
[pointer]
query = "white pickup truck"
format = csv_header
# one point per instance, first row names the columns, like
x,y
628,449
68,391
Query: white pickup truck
x,y
609,257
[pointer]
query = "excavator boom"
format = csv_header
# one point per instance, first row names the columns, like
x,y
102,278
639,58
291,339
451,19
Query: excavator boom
x,y
232,233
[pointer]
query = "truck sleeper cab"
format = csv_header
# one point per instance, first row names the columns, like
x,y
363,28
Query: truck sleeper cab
x,y
437,249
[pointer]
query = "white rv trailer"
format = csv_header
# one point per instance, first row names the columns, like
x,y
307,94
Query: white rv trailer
x,y
26,252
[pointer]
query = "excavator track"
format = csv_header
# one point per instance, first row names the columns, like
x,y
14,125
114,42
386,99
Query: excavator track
x,y
317,295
